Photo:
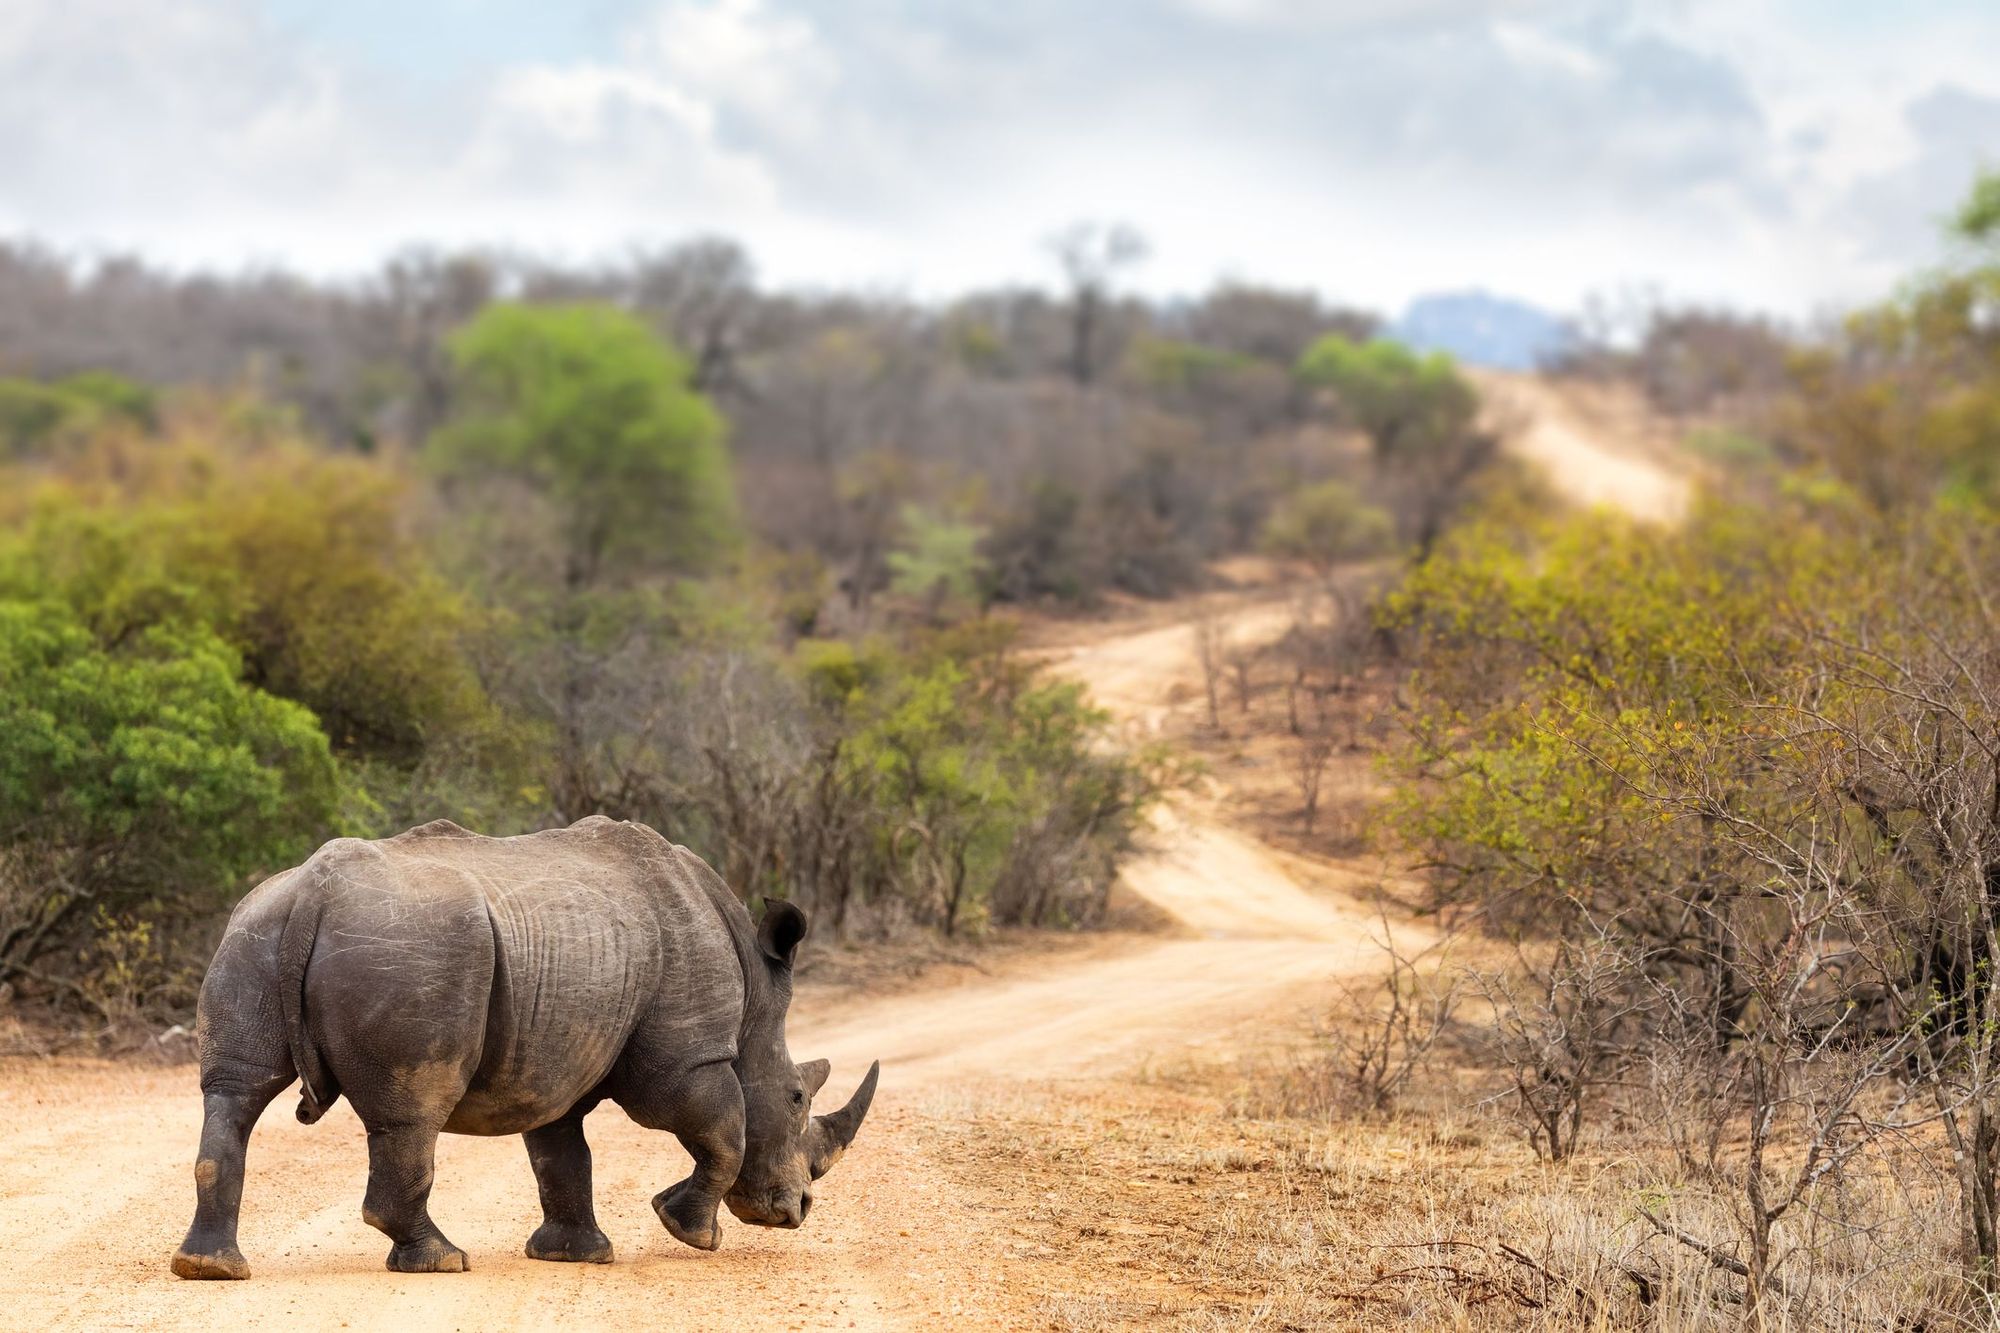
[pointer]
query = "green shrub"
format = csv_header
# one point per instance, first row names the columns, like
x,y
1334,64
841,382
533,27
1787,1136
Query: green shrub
x,y
140,781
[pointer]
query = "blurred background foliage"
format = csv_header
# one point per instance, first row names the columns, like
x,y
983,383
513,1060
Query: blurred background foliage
x,y
513,543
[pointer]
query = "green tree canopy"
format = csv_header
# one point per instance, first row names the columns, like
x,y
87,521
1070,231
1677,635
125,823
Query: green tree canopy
x,y
590,406
1403,402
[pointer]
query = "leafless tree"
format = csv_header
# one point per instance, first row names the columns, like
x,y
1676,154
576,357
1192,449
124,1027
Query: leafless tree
x,y
1211,648
1388,1032
1566,1021
1090,255
704,293
1242,659
1312,750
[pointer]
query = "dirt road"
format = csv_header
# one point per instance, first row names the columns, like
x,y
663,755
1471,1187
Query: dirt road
x,y
96,1189
95,1186
1591,457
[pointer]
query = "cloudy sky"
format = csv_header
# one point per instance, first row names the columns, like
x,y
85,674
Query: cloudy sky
x,y
1789,154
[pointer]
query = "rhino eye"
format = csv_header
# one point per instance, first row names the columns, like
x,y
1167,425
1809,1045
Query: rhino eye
x,y
798,1098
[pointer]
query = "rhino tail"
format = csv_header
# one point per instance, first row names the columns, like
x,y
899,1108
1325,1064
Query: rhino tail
x,y
317,1089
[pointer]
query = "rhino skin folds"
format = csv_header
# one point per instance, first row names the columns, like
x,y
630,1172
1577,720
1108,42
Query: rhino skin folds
x,y
447,982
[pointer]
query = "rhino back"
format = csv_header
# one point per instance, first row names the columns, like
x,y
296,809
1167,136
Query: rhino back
x,y
400,972
596,933
581,951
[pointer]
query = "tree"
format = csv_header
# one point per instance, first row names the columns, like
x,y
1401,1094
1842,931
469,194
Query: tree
x,y
423,295
1421,420
33,415
115,397
589,405
1404,403
1904,406
1090,254
1211,647
1271,324
626,476
1312,749
703,292
1041,549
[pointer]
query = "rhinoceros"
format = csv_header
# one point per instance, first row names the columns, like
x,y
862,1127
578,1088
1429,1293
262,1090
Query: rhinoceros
x,y
449,982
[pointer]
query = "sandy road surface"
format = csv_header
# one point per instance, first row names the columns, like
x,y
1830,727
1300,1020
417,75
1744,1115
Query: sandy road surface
x,y
1582,458
95,1190
95,1186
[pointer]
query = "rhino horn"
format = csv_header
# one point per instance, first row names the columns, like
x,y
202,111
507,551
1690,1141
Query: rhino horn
x,y
830,1134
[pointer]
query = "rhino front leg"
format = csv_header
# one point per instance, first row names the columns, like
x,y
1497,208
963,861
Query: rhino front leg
x,y
401,1167
569,1231
227,1119
705,1112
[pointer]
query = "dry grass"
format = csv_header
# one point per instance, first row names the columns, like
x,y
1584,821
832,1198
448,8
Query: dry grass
x,y
1263,1194
1186,1202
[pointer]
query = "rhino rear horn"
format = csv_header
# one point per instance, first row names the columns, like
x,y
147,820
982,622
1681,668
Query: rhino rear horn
x,y
830,1134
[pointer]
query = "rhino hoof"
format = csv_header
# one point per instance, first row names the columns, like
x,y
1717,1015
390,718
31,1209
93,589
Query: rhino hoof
x,y
227,1263
567,1243
428,1256
704,1232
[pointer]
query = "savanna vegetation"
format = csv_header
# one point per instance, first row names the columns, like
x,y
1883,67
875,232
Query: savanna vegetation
x,y
510,544
1709,821
1708,817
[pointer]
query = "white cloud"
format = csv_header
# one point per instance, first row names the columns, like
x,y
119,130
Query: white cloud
x,y
577,102
1373,147
1537,48
1353,13
767,66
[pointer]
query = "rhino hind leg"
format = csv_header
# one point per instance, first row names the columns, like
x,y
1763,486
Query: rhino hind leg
x,y
401,1166
227,1118
705,1112
561,1158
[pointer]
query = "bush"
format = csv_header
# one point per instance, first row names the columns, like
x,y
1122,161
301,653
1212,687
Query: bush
x,y
1757,755
140,782
303,564
940,783
1326,525
36,416
32,416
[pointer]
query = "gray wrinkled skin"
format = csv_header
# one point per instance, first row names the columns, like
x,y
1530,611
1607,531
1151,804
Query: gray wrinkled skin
x,y
448,982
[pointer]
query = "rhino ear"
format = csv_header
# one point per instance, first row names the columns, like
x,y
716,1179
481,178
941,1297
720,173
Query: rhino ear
x,y
815,1072
779,933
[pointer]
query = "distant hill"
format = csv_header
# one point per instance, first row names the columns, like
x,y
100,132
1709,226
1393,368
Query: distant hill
x,y
1483,330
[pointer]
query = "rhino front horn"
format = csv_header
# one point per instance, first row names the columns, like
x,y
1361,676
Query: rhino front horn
x,y
830,1134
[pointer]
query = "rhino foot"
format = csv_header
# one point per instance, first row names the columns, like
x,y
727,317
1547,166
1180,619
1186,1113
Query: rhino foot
x,y
433,1255
688,1219
225,1263
569,1243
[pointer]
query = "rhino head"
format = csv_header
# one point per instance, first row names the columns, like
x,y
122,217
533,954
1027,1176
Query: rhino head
x,y
785,1147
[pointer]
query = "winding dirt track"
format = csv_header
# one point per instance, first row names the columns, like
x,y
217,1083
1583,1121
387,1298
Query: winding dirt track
x,y
1584,458
96,1190
95,1160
